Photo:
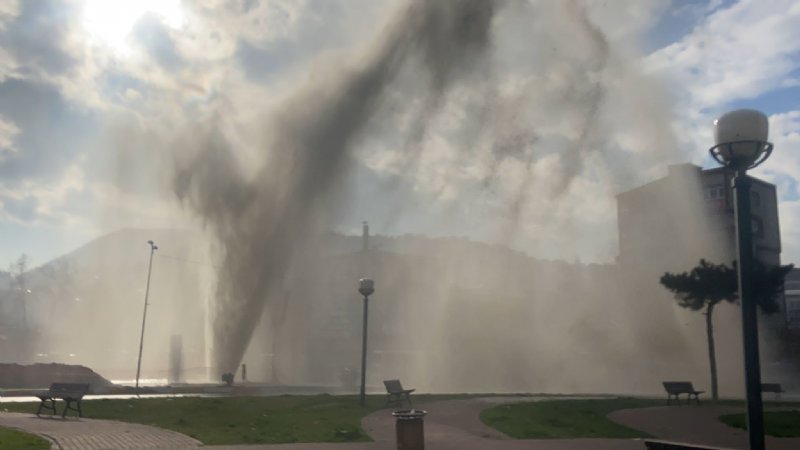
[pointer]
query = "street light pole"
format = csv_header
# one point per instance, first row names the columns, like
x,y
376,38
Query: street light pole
x,y
741,144
365,287
752,365
153,248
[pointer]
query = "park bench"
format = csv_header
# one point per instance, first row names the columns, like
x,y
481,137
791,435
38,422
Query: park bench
x,y
69,392
395,393
772,387
676,388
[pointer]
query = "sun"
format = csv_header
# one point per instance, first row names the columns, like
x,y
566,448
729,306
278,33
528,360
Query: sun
x,y
110,22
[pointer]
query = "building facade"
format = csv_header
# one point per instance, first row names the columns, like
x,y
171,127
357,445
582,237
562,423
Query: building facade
x,y
674,221
792,300
671,223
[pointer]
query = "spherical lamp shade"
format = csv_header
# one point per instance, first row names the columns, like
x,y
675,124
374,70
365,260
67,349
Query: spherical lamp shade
x,y
366,286
741,138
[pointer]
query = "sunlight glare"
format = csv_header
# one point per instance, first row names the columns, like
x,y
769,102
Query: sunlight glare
x,y
111,22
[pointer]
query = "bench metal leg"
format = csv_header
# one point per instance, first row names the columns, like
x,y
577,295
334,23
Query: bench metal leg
x,y
408,397
69,407
397,400
43,404
677,399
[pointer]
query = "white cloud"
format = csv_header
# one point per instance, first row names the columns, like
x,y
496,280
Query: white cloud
x,y
9,9
36,203
785,135
738,52
235,61
783,169
8,134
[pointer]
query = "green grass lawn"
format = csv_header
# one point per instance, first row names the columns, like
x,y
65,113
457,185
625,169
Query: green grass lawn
x,y
244,420
564,418
239,420
326,418
776,423
18,440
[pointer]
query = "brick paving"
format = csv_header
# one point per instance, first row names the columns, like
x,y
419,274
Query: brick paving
x,y
92,434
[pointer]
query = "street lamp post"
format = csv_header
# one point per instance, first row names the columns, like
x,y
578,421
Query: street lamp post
x,y
741,144
153,248
366,287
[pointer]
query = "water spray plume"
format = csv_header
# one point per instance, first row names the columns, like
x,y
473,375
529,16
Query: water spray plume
x,y
523,118
260,224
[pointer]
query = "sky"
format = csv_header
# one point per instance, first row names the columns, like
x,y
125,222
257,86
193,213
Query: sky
x,y
97,98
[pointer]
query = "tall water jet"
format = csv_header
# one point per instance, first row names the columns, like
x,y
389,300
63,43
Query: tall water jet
x,y
261,224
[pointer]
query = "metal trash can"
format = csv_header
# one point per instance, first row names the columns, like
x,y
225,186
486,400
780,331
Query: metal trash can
x,y
410,429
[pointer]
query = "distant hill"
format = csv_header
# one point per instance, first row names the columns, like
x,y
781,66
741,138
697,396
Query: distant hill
x,y
86,306
16,376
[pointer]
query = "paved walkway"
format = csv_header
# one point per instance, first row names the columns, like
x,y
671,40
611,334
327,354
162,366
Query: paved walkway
x,y
91,434
694,424
455,424
450,425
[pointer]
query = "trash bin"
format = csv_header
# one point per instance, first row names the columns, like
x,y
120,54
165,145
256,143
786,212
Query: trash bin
x,y
410,430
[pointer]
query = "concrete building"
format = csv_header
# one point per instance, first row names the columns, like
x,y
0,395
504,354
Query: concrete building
x,y
792,299
688,215
669,224
718,197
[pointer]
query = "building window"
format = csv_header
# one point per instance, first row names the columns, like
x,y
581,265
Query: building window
x,y
757,227
714,192
756,199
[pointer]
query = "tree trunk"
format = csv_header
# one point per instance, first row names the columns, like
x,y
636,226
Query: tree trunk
x,y
712,357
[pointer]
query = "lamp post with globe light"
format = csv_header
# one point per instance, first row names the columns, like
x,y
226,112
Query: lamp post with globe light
x,y
366,287
741,144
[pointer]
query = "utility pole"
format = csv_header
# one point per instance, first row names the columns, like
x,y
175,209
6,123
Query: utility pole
x,y
153,248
